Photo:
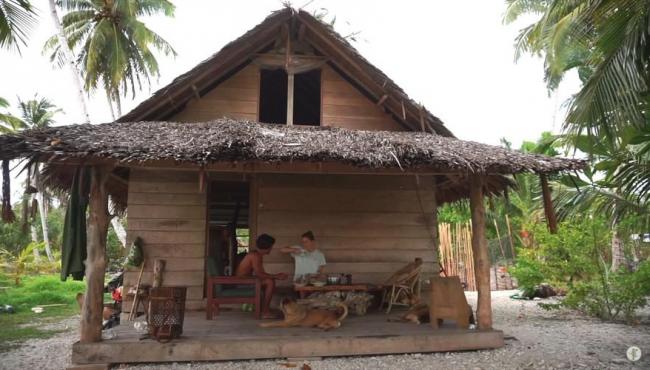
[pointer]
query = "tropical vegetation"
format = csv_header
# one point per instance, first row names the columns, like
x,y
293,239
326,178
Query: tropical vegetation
x,y
113,47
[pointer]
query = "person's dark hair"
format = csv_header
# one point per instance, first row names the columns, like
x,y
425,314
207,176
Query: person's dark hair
x,y
265,241
309,235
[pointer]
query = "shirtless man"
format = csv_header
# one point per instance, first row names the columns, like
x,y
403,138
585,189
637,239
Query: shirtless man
x,y
253,265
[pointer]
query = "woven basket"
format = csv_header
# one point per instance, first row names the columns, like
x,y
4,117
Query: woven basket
x,y
166,312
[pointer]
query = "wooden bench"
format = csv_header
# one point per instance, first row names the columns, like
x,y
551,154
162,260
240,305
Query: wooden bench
x,y
233,290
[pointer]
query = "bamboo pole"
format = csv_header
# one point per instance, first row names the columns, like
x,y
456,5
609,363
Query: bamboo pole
x,y
512,245
479,247
496,226
98,221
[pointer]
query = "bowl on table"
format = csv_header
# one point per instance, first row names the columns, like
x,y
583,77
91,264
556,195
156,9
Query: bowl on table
x,y
334,280
318,283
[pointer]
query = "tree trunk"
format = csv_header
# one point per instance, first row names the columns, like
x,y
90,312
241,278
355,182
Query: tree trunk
x,y
42,211
43,214
618,257
551,219
98,220
119,230
34,233
69,60
480,251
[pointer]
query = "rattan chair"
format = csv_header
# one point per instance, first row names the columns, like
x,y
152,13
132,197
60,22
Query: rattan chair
x,y
401,288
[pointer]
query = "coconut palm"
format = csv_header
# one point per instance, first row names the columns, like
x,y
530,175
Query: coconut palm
x,y
17,18
39,113
8,122
607,42
114,48
68,59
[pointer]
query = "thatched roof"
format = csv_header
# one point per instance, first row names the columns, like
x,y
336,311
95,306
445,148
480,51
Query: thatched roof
x,y
343,57
228,140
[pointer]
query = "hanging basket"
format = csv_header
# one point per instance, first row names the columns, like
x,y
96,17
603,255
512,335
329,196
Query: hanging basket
x,y
166,312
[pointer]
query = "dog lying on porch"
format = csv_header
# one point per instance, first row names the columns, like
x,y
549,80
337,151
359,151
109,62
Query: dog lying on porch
x,y
296,314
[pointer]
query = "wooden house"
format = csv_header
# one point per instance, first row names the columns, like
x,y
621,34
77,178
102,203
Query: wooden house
x,y
285,129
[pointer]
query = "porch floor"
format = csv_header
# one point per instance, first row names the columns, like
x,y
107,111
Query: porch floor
x,y
236,336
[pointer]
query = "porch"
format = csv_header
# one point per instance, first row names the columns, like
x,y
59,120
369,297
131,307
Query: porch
x,y
236,336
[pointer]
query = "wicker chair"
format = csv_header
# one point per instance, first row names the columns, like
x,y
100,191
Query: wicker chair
x,y
403,286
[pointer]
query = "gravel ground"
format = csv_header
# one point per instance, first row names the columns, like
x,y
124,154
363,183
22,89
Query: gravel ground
x,y
535,339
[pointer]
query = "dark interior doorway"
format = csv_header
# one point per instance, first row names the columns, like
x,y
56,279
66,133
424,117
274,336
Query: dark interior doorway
x,y
228,225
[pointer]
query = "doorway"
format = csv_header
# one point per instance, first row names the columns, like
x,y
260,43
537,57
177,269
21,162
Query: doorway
x,y
228,226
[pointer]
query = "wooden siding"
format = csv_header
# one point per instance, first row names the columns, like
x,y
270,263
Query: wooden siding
x,y
368,226
237,97
345,106
167,210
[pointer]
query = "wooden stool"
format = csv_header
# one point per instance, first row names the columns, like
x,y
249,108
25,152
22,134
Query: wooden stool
x,y
448,302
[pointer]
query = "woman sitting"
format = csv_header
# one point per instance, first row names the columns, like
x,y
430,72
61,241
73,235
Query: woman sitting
x,y
309,260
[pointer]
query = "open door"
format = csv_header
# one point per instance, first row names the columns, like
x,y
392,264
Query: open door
x,y
228,226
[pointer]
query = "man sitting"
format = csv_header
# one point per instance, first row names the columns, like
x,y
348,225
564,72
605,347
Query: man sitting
x,y
253,265
309,260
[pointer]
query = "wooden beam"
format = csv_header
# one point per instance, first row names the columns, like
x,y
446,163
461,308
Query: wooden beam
x,y
480,251
382,100
197,95
290,99
421,112
403,111
551,218
98,220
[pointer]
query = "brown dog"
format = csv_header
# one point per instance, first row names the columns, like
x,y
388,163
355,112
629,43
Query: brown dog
x,y
417,314
300,315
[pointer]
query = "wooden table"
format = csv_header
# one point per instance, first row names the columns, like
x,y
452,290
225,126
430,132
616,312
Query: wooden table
x,y
304,290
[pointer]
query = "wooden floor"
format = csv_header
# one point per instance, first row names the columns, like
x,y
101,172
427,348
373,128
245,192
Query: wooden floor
x,y
235,336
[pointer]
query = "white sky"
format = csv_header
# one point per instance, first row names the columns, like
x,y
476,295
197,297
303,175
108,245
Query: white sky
x,y
456,57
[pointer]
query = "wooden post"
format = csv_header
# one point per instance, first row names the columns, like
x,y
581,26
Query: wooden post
x,y
290,99
480,252
158,271
434,222
551,219
98,220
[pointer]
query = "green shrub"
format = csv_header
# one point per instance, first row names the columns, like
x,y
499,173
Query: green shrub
x,y
612,295
528,274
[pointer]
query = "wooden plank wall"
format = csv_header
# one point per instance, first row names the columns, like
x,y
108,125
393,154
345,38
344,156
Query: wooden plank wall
x,y
369,226
236,97
167,210
344,106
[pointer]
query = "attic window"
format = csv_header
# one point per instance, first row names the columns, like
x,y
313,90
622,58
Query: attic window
x,y
290,99
273,96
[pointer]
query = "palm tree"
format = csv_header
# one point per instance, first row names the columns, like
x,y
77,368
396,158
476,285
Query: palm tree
x,y
17,18
607,42
615,185
39,113
67,58
114,47
8,122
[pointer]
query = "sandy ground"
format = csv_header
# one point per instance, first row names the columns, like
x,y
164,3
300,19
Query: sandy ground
x,y
535,339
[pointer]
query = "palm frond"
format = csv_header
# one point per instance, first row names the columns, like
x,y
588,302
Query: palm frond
x,y
17,19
